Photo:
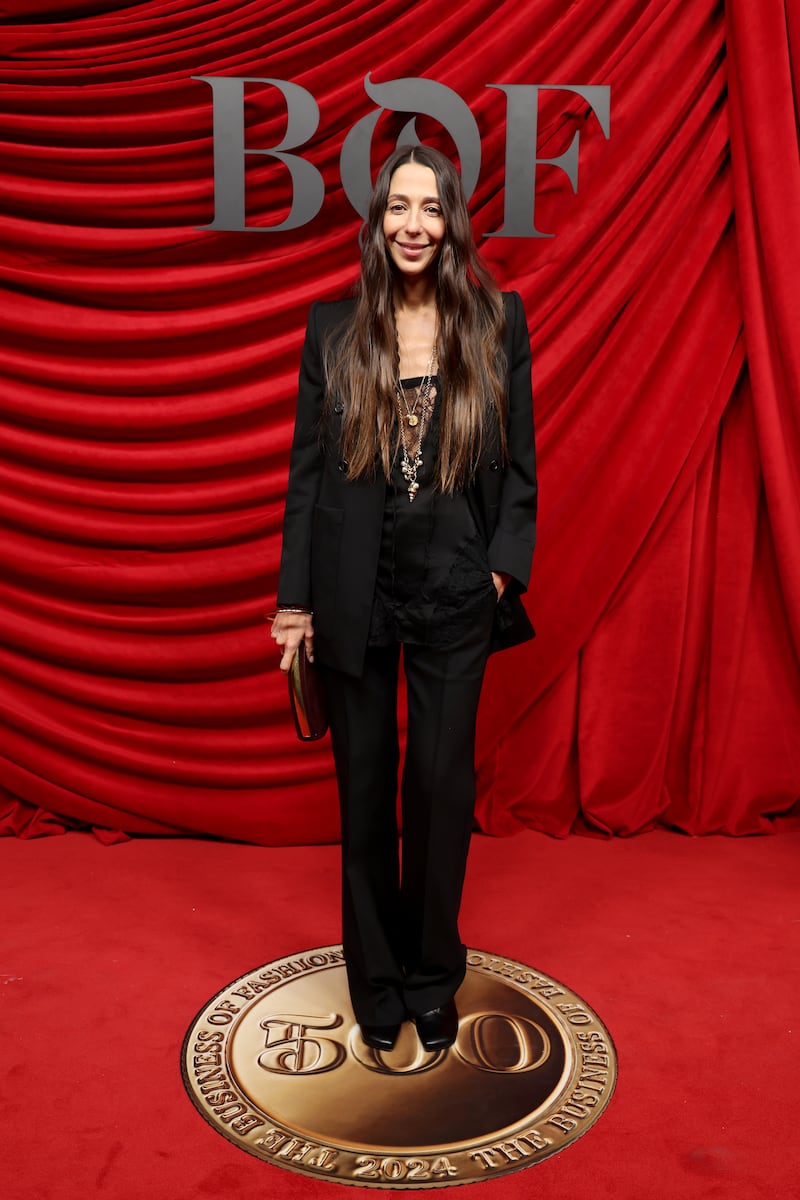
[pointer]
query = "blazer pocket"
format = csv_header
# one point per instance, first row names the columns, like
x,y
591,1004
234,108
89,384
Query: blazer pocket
x,y
326,537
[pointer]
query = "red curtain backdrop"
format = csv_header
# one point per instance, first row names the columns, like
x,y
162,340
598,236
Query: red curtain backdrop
x,y
148,385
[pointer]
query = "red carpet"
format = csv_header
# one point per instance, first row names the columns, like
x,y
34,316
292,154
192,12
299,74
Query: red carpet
x,y
689,950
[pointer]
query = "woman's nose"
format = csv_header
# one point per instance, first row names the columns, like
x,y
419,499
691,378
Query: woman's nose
x,y
413,224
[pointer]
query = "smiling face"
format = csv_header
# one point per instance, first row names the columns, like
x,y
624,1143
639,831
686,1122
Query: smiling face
x,y
413,225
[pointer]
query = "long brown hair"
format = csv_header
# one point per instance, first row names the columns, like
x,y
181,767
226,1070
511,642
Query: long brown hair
x,y
362,365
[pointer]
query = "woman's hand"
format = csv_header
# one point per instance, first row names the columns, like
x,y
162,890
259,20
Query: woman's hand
x,y
501,581
289,629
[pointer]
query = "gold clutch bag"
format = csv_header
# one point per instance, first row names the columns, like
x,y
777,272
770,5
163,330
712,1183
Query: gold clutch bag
x,y
307,698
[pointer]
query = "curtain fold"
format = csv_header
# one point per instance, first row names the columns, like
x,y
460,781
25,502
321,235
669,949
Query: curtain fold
x,y
148,372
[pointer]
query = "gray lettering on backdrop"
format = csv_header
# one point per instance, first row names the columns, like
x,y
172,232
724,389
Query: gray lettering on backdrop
x,y
522,119
414,96
419,96
302,114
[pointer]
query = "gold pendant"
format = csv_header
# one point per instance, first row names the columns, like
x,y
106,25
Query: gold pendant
x,y
413,419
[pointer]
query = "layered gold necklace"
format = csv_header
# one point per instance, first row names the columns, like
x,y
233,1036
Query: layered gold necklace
x,y
414,417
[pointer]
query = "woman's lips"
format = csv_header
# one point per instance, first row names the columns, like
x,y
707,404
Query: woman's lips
x,y
414,251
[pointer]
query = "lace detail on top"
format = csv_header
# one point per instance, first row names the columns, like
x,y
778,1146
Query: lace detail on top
x,y
434,583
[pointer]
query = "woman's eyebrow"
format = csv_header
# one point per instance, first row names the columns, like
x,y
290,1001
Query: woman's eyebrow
x,y
425,199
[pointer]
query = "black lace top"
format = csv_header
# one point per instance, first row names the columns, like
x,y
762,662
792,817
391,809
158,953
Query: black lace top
x,y
433,580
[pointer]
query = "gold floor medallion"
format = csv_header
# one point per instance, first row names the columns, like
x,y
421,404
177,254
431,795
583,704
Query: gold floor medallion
x,y
276,1063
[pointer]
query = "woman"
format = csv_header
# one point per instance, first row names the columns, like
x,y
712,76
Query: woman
x,y
410,521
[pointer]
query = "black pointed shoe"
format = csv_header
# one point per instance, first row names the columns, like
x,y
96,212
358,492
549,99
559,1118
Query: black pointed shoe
x,y
380,1037
437,1028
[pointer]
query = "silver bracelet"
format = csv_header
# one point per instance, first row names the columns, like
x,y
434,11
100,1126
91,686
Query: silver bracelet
x,y
306,612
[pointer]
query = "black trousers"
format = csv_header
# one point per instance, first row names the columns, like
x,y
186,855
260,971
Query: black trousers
x,y
402,947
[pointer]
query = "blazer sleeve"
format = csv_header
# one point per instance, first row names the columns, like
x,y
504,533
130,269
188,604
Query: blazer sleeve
x,y
514,537
305,473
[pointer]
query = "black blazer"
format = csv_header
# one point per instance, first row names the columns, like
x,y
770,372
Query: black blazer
x,y
332,525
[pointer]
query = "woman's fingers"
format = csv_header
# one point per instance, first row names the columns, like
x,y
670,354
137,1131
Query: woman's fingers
x,y
309,640
288,631
289,643
501,581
